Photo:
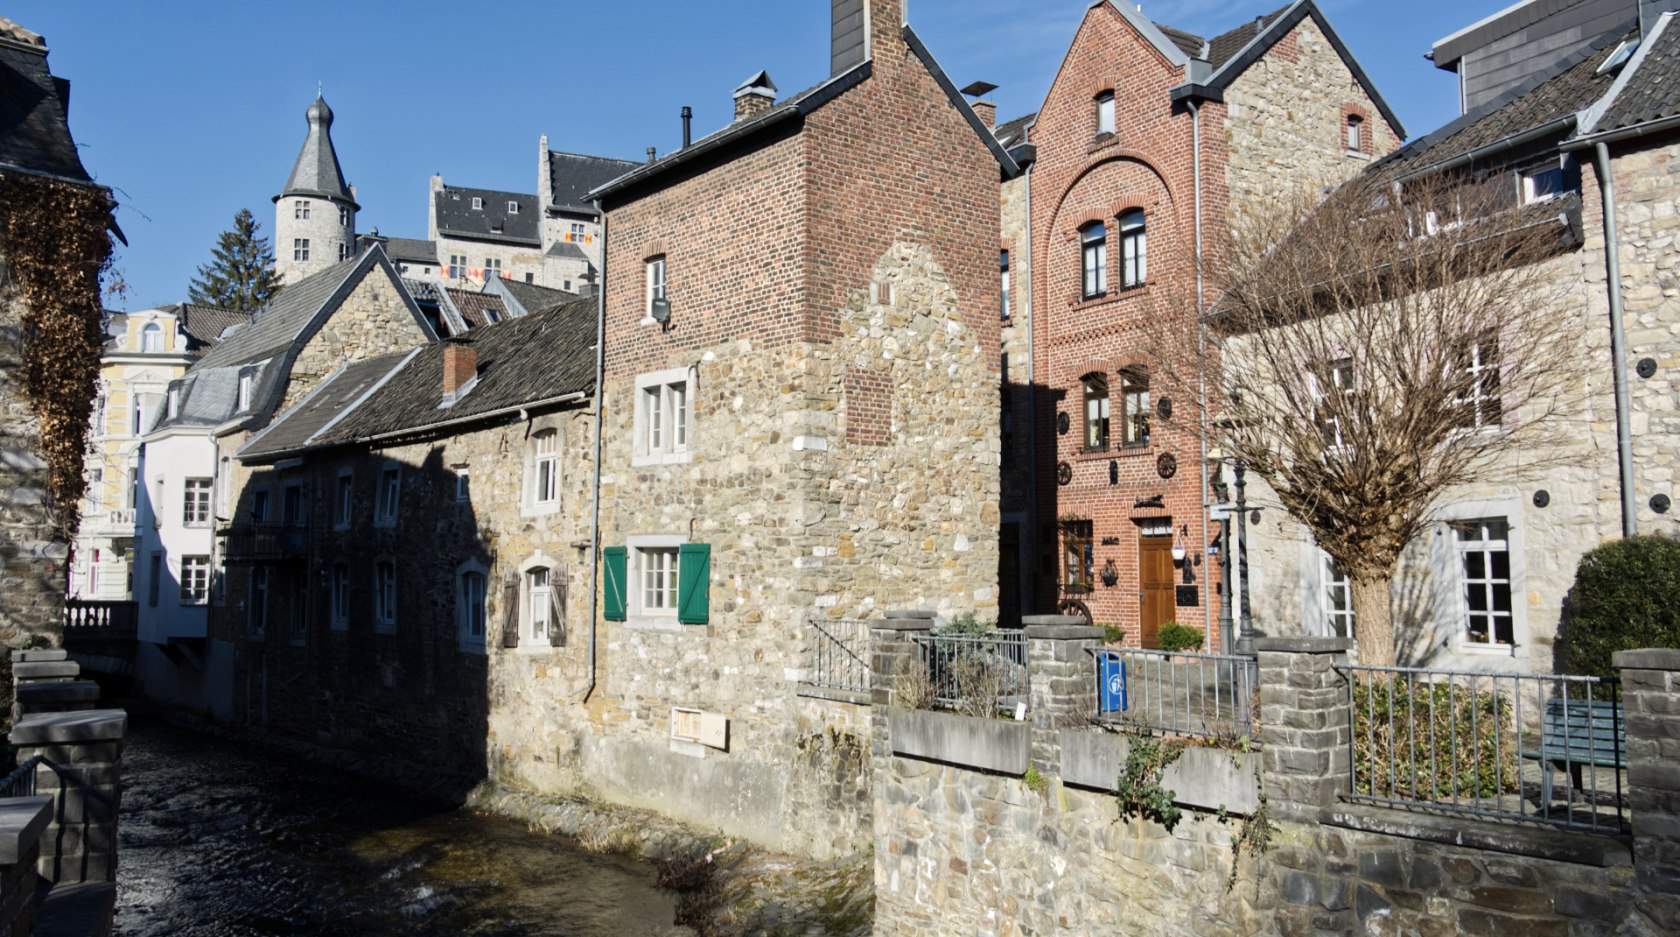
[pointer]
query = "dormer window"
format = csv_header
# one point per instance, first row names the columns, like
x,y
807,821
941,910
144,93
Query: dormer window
x,y
151,337
513,208
478,203
1105,113
245,382
1354,133
1543,184
174,402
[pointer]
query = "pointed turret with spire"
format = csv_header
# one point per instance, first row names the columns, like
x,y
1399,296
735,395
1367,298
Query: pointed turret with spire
x,y
315,215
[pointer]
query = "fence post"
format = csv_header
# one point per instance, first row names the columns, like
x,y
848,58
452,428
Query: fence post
x,y
1061,675
1304,723
1651,700
891,653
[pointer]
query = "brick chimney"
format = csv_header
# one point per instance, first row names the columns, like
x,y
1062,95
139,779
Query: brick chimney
x,y
984,109
754,96
460,365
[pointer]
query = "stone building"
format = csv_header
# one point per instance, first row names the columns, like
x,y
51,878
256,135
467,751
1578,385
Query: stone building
x,y
144,351
315,214
1150,144
37,153
1591,129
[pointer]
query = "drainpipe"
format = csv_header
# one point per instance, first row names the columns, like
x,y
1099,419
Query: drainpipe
x,y
595,497
1201,351
1030,535
1618,341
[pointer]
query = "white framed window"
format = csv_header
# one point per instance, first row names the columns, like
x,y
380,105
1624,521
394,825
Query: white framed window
x,y
1094,391
1093,260
256,620
470,612
1134,397
652,586
513,208
385,595
300,209
492,267
1003,264
1354,133
657,586
539,593
300,248
174,402
99,415
1483,550
1105,112
195,580
343,500
457,266
1134,250
195,502
544,477
1336,598
390,496
463,483
95,495
664,417
477,203
339,594
655,283
246,381
344,216
576,235
1543,184
343,251
1327,381
151,337
1475,374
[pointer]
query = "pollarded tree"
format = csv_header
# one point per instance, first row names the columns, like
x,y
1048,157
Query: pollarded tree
x,y
242,276
1371,349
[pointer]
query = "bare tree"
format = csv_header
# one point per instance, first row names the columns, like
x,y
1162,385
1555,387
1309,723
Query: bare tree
x,y
1371,349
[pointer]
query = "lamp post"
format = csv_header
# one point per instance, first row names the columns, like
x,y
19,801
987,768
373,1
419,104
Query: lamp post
x,y
1245,639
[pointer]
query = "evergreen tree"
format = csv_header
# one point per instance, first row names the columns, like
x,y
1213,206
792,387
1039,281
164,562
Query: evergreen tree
x,y
242,276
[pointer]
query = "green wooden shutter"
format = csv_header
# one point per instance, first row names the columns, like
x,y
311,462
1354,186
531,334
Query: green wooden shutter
x,y
694,582
612,582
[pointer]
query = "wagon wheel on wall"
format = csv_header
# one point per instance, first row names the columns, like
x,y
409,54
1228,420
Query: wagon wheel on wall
x,y
1072,606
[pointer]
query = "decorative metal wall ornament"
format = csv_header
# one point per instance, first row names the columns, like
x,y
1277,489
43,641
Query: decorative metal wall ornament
x,y
1113,471
1542,498
1163,407
1166,465
1064,473
1647,368
1153,501
1110,575
1062,424
1660,504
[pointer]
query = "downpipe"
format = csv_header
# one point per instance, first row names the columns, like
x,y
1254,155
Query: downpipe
x,y
1618,341
1201,358
600,419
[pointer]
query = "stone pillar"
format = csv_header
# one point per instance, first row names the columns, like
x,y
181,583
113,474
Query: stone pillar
x,y
891,652
22,821
1061,671
1304,730
84,778
44,665
54,697
1651,703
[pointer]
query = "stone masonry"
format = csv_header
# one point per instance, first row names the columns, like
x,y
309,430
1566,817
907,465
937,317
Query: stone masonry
x,y
32,555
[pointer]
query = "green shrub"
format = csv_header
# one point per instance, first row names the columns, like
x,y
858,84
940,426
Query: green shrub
x,y
1177,637
967,624
1623,598
1113,634
1431,741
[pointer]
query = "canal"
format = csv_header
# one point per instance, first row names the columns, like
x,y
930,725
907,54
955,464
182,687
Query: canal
x,y
223,839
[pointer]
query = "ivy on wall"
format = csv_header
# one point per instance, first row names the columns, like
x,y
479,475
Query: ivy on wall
x,y
57,245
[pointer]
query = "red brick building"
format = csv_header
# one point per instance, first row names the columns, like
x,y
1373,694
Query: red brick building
x,y
1150,144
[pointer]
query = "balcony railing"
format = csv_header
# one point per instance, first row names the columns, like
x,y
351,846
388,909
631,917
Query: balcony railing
x,y
255,545
96,618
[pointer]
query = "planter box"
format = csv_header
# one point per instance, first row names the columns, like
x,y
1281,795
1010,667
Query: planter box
x,y
987,744
1205,778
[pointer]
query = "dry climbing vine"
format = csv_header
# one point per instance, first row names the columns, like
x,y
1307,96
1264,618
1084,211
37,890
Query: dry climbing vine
x,y
57,246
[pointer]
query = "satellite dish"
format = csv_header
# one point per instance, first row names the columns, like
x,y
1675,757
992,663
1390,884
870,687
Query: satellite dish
x,y
661,310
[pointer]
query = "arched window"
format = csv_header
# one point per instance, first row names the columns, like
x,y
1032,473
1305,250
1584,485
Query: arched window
x,y
151,337
1093,247
1134,249
1355,133
1096,411
1134,393
1105,112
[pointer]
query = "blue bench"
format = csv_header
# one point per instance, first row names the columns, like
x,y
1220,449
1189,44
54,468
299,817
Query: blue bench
x,y
1577,733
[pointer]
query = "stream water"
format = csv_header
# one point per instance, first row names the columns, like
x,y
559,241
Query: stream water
x,y
218,838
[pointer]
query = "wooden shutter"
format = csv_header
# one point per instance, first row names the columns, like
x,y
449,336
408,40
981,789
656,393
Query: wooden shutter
x,y
694,581
510,611
612,582
557,584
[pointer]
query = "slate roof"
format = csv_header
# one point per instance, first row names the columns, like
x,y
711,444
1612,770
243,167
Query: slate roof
x,y
1222,47
34,113
477,309
534,298
1013,133
278,324
204,325
316,171
567,250
411,250
520,362
1189,42
574,175
456,216
1652,91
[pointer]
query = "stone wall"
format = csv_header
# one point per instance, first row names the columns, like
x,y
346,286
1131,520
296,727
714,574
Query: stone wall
x,y
373,320
32,555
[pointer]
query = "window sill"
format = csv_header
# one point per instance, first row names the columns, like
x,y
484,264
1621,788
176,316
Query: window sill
x,y
662,458
385,628
1357,154
1078,303
540,510
384,523
535,650
668,624
472,647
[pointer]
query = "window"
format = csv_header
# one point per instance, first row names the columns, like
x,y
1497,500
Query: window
x,y
463,483
576,234
343,252
471,607
343,498
544,472
246,380
174,402
300,209
390,495
1484,554
151,337
1096,411
344,216
138,405
655,282
658,566
195,502
99,415
662,417
95,495
300,609
195,580
656,578
492,267
457,266
1134,393
1105,112
385,594
1331,381
1003,263
513,208
1093,241
257,614
1355,133
541,599
340,596
1078,554
1338,598
477,203
300,248
1134,250
156,576
292,505
259,506
1476,384
1540,185
530,278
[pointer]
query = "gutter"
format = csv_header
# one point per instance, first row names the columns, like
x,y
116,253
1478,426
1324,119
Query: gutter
x,y
1550,128
1618,341
1626,133
415,430
600,420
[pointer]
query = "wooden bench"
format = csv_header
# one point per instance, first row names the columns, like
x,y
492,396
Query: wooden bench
x,y
1577,733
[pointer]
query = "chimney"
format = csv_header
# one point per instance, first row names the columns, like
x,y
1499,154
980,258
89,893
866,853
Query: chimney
x,y
755,96
984,109
653,153
688,127
460,365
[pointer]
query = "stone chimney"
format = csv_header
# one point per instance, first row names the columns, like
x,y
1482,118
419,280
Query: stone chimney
x,y
755,96
460,365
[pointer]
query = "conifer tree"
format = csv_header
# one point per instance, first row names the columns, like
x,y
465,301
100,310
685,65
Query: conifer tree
x,y
242,275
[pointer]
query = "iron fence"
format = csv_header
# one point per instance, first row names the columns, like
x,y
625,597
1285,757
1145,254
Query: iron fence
x,y
1489,745
21,782
1206,695
839,656
978,674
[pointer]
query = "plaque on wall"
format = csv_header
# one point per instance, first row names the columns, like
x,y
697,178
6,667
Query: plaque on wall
x,y
1186,596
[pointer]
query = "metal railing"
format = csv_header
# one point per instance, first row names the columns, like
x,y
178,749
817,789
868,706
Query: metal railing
x,y
839,656
1489,745
21,782
978,674
1206,695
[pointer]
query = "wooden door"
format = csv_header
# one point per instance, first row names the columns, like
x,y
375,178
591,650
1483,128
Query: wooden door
x,y
1155,582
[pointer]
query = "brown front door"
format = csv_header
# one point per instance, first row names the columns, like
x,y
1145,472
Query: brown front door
x,y
1155,579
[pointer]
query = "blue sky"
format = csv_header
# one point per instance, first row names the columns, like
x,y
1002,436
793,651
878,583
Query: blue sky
x,y
192,110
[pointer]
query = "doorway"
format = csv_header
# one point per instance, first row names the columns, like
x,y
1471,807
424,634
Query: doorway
x,y
1155,583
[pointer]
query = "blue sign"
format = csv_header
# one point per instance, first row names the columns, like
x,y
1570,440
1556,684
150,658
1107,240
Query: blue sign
x,y
1111,682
